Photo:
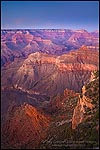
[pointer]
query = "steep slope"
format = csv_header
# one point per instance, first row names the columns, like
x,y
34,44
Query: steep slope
x,y
40,97
21,43
24,127
88,103
14,97
75,122
61,109
62,103
47,74
85,119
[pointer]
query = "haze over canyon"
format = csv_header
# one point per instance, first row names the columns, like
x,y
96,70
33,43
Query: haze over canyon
x,y
49,88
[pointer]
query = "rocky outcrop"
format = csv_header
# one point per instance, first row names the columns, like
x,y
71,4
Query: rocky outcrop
x,y
36,81
62,106
79,129
21,43
79,111
49,74
25,127
86,102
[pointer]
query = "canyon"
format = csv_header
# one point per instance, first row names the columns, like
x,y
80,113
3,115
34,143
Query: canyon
x,y
49,88
22,42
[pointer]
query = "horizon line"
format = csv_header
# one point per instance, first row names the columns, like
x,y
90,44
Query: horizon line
x,y
46,29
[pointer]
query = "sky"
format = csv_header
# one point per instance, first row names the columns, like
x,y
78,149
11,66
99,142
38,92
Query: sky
x,y
50,15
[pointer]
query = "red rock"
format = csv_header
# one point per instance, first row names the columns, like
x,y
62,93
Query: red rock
x,y
25,127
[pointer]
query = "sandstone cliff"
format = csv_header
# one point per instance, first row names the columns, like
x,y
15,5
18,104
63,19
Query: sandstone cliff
x,y
88,101
49,74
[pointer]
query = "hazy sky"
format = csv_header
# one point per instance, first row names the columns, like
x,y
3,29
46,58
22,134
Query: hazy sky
x,y
50,14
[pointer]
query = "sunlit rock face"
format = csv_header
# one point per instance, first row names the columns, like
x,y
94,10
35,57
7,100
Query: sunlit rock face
x,y
49,74
87,105
49,88
25,127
